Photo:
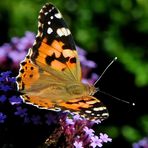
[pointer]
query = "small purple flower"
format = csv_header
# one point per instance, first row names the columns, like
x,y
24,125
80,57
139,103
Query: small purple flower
x,y
69,121
84,61
1,79
15,100
81,51
5,87
105,138
3,98
22,112
20,55
14,40
96,142
78,144
6,81
24,42
97,121
6,74
2,53
2,117
88,63
3,76
88,131
12,79
76,117
92,79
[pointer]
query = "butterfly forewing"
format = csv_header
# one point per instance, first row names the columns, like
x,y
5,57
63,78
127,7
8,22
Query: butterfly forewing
x,y
54,46
50,75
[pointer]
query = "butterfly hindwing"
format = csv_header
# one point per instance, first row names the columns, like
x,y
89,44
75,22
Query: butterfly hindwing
x,y
88,107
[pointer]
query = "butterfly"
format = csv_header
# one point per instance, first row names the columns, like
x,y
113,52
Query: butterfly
x,y
50,75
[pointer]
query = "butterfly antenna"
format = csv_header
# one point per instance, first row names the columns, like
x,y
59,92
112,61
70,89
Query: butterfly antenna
x,y
127,102
105,70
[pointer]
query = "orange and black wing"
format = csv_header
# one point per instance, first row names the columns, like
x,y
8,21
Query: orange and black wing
x,y
54,48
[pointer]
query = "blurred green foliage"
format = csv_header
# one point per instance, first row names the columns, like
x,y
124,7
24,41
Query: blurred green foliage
x,y
120,28
130,134
143,123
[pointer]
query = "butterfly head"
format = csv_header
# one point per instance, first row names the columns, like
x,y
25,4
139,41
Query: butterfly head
x,y
92,90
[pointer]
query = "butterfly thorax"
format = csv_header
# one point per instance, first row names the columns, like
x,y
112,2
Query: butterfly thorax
x,y
80,90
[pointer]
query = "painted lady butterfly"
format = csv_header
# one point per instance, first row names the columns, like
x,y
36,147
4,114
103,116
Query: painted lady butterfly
x,y
50,75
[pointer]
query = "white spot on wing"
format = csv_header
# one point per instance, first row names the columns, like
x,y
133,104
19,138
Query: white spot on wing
x,y
49,22
39,17
44,6
105,114
51,9
51,17
41,10
39,24
46,13
88,111
49,30
99,108
59,32
34,43
58,15
63,31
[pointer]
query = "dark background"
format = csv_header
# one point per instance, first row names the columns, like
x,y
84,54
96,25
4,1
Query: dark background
x,y
105,29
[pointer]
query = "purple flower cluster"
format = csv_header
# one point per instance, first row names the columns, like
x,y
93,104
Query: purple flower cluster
x,y
12,53
78,133
143,143
7,84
